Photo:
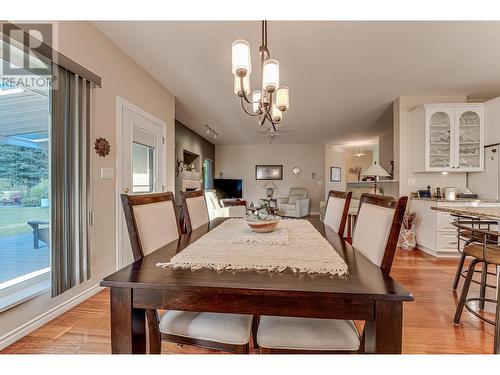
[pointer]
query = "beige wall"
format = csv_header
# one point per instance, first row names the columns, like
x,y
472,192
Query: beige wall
x,y
386,149
403,132
352,161
335,157
83,43
238,161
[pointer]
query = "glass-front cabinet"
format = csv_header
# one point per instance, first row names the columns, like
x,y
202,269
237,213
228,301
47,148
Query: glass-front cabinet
x,y
440,128
448,137
469,122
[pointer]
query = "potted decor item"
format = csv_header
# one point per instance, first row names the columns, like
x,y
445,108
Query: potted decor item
x,y
407,237
356,171
262,222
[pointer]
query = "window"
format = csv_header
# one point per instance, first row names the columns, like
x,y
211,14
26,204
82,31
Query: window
x,y
143,168
24,183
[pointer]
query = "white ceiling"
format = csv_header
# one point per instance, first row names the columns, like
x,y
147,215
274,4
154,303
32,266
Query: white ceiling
x,y
343,76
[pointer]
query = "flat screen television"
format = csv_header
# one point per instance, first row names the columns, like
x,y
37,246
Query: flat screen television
x,y
228,188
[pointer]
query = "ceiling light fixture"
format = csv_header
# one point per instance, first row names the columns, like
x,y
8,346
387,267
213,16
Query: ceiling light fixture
x,y
211,131
359,154
270,100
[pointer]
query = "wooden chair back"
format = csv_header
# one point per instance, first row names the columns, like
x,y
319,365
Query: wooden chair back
x,y
194,207
377,228
337,209
151,221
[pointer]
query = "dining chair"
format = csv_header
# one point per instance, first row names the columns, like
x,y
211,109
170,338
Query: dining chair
x,y
337,209
194,208
375,236
152,223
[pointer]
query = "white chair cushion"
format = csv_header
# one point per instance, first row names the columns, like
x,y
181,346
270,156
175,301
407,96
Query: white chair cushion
x,y
225,328
334,211
198,214
307,334
300,192
373,225
156,225
287,207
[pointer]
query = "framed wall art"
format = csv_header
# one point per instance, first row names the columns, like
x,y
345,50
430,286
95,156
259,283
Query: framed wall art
x,y
269,172
335,174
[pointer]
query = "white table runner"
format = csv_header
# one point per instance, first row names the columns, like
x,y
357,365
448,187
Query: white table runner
x,y
307,250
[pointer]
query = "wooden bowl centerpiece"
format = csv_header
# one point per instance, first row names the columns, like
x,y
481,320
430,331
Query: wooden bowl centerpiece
x,y
262,222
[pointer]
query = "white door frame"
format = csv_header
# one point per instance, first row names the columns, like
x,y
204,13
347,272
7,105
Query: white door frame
x,y
120,105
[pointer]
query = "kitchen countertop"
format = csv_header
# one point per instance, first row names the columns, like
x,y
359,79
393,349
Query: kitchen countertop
x,y
458,200
492,213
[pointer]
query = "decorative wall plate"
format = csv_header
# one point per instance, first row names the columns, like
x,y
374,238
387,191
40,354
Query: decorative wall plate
x,y
102,147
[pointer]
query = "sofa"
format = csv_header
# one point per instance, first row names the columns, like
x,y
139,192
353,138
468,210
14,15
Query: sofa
x,y
215,209
295,205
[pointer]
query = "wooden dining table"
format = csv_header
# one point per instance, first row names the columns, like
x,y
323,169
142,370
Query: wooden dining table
x,y
364,294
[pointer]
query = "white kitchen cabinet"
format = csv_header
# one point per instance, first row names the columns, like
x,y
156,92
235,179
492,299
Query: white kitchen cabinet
x,y
448,137
434,232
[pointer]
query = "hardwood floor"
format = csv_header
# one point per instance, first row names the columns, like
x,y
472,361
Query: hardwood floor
x,y
428,322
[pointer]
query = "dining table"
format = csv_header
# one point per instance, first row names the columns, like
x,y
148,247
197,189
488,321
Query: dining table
x,y
364,293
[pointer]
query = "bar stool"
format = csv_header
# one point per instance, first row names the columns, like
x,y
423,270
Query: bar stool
x,y
465,236
482,250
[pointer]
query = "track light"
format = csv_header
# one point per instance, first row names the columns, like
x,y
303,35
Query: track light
x,y
211,131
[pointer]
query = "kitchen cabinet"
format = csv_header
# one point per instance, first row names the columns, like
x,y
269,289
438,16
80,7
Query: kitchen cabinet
x,y
434,232
448,137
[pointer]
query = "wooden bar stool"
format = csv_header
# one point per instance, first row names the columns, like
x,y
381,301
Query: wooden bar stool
x,y
484,252
465,236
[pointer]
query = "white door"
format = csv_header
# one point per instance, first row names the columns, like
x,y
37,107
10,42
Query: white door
x,y
142,157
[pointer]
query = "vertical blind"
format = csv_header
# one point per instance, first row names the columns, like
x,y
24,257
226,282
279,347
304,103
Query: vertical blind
x,y
70,174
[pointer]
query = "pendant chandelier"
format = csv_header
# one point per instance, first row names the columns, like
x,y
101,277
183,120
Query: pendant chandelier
x,y
359,154
270,100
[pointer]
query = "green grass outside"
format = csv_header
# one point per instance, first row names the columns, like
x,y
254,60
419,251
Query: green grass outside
x,y
14,220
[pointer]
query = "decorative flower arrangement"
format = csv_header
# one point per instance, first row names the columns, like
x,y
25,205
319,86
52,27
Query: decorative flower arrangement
x,y
409,219
407,237
262,214
356,171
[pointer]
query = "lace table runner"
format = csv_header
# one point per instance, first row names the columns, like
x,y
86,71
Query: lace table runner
x,y
307,250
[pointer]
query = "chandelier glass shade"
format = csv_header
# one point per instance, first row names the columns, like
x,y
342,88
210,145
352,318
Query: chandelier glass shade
x,y
270,100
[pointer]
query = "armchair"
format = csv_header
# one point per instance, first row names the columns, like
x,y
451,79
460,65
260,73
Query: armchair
x,y
296,205
215,209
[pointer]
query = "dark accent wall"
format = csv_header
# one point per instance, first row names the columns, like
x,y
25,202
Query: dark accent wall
x,y
186,139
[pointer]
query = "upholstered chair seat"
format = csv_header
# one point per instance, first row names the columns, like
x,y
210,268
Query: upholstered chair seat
x,y
307,334
337,208
371,233
152,223
232,329
377,228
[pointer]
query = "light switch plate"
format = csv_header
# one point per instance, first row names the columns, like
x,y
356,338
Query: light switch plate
x,y
411,182
107,172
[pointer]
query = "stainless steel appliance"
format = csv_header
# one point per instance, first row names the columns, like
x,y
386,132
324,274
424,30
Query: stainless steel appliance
x,y
486,184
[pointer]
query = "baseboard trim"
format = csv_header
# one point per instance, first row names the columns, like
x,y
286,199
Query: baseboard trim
x,y
443,253
47,316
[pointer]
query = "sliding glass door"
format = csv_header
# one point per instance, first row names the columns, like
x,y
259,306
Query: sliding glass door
x,y
24,181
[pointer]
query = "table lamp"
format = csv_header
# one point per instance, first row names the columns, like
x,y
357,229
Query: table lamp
x,y
270,186
376,171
